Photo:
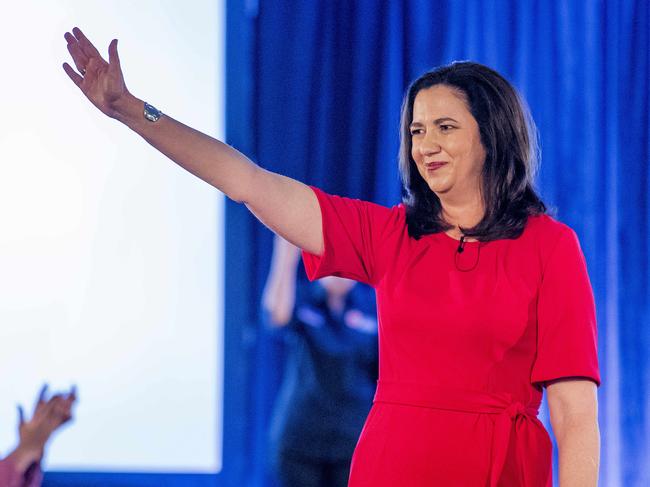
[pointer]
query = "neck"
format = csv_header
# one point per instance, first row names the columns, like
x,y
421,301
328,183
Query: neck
x,y
462,213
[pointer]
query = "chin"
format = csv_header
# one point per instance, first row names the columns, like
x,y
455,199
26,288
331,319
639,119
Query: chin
x,y
438,183
439,187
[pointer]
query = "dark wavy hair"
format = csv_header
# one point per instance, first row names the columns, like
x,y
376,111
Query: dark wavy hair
x,y
509,137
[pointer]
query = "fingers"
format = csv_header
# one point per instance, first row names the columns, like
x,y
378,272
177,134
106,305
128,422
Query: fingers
x,y
40,399
86,46
57,412
51,409
78,56
70,400
50,412
60,405
66,410
42,393
61,408
74,76
87,59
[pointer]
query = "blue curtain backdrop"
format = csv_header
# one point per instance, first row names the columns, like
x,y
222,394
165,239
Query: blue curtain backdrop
x,y
314,92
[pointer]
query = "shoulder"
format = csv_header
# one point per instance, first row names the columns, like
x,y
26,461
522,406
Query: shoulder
x,y
546,226
550,237
547,229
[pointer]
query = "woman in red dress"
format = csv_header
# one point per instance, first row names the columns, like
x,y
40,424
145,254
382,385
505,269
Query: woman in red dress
x,y
483,300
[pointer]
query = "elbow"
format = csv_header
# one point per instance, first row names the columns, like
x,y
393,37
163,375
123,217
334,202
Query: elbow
x,y
584,424
567,427
238,195
277,313
244,186
236,199
275,317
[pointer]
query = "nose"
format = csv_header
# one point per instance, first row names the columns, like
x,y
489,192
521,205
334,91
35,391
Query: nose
x,y
429,144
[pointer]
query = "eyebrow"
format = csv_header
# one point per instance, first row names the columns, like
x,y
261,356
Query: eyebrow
x,y
437,121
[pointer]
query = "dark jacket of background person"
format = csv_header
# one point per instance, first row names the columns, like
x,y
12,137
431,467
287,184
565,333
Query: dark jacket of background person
x,y
330,375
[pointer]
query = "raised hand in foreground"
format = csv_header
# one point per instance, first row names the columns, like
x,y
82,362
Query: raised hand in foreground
x,y
49,415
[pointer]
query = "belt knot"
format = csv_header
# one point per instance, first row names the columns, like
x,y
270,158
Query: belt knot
x,y
515,409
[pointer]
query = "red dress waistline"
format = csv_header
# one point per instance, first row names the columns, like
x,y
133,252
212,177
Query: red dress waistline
x,y
512,415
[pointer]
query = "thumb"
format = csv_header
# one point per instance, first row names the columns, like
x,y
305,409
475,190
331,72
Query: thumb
x,y
113,56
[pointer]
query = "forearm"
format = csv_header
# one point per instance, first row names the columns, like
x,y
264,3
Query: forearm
x,y
21,468
280,290
279,300
579,454
207,158
288,207
284,260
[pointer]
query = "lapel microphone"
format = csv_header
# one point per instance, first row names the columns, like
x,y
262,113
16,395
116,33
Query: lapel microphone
x,y
461,245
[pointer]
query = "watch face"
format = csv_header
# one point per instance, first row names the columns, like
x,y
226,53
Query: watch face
x,y
151,113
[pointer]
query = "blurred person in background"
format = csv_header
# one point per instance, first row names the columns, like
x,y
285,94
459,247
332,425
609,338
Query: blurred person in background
x,y
22,467
330,374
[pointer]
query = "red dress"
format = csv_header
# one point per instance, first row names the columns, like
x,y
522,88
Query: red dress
x,y
466,342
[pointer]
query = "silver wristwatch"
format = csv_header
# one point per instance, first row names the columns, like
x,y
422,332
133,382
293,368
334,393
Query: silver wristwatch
x,y
151,113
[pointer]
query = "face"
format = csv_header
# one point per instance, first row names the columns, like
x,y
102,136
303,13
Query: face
x,y
446,143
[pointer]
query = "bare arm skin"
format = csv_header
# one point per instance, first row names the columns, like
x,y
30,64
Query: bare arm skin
x,y
280,291
288,207
49,415
573,405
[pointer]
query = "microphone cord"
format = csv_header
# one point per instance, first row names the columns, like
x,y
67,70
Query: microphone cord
x,y
460,250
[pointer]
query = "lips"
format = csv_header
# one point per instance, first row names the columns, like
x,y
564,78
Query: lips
x,y
432,166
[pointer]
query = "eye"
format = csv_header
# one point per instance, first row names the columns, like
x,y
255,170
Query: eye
x,y
416,131
446,128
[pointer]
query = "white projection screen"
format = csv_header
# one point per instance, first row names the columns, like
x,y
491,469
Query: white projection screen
x,y
111,257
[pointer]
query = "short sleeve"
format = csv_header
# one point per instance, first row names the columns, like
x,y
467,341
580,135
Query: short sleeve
x,y
354,232
566,316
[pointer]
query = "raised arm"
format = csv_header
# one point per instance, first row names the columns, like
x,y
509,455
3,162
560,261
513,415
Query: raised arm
x,y
279,295
288,207
22,467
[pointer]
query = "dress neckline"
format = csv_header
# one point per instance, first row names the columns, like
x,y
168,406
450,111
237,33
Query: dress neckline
x,y
456,241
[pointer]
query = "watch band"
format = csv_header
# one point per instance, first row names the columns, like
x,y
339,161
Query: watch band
x,y
151,113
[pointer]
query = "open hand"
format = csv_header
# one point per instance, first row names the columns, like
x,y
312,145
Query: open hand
x,y
102,82
49,414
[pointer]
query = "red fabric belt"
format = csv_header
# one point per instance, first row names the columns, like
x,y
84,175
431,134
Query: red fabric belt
x,y
510,415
